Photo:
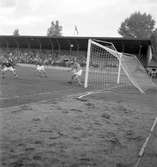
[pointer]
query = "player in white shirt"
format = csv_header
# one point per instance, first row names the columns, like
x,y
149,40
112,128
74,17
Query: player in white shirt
x,y
40,68
76,71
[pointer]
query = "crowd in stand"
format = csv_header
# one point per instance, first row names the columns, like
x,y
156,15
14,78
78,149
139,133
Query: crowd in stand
x,y
54,58
48,57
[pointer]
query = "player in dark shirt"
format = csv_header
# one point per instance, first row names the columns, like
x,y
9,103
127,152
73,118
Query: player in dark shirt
x,y
8,65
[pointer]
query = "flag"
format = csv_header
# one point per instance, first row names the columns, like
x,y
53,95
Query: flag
x,y
76,30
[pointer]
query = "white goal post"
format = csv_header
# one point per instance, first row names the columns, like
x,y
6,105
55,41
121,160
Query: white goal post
x,y
107,68
89,57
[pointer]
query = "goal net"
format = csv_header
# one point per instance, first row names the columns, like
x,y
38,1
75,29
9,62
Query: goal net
x,y
107,68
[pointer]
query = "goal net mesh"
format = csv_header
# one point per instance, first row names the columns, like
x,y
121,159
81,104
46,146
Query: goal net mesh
x,y
106,68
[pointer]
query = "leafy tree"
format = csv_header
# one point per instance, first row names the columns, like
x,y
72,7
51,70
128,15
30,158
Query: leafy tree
x,y
137,26
16,32
154,43
55,29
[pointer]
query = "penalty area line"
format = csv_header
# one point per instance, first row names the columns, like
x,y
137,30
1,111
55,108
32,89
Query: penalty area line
x,y
84,95
32,95
92,92
97,91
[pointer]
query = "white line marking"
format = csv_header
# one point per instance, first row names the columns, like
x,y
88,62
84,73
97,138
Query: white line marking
x,y
98,91
88,93
145,143
37,94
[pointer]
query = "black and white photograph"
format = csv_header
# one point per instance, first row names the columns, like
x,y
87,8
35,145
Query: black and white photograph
x,y
78,83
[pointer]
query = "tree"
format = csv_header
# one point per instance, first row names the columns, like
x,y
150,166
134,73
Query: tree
x,y
137,26
55,29
16,32
153,39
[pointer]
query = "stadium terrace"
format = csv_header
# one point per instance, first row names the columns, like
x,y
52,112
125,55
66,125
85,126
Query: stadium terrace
x,y
72,45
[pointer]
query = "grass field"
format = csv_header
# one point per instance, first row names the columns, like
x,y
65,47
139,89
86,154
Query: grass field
x,y
44,125
29,87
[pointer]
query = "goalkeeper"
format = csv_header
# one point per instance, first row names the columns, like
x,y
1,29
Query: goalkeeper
x,y
76,72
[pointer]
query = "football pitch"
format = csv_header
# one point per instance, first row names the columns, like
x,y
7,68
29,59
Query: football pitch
x,y
30,87
43,124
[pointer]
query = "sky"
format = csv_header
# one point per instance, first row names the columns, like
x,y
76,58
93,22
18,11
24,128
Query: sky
x,y
92,17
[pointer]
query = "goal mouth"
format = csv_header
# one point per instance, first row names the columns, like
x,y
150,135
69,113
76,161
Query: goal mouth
x,y
107,68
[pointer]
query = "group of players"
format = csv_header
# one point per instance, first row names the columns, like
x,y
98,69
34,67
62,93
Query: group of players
x,y
9,65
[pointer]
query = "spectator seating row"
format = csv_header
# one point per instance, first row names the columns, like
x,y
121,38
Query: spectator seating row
x,y
48,57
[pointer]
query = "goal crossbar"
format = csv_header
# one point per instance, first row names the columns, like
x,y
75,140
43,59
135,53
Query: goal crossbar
x,y
126,62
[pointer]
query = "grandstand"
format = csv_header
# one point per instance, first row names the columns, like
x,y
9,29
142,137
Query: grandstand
x,y
54,47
